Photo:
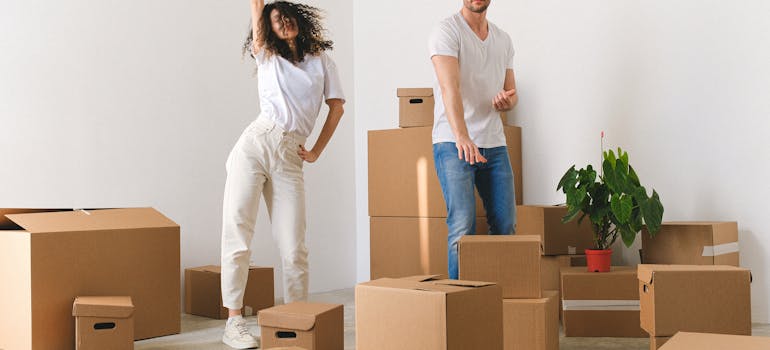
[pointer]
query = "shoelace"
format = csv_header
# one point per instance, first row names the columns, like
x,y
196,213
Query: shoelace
x,y
241,328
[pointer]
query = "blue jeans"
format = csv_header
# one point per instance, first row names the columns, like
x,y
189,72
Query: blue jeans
x,y
494,181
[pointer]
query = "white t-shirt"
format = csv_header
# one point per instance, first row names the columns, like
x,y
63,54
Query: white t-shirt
x,y
291,95
482,75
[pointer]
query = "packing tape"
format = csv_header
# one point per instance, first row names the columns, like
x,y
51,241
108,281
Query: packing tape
x,y
600,305
721,249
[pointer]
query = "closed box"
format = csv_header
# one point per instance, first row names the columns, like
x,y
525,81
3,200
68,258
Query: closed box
x,y
692,243
203,291
511,261
695,298
691,341
550,272
103,323
415,107
61,255
406,314
312,326
558,238
402,174
402,247
600,304
657,342
531,324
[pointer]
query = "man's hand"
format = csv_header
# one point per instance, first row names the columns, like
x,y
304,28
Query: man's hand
x,y
468,151
308,156
504,100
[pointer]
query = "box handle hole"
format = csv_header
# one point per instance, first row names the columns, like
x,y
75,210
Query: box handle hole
x,y
645,288
285,335
415,100
104,325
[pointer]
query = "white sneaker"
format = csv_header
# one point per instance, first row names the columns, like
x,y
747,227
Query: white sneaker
x,y
237,335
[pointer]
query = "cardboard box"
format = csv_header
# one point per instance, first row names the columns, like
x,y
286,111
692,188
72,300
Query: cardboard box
x,y
511,261
690,341
433,315
415,107
692,243
695,298
657,342
558,238
287,348
313,326
402,175
410,246
103,323
61,255
600,304
203,291
531,324
550,272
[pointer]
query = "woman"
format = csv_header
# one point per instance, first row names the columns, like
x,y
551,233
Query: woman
x,y
295,76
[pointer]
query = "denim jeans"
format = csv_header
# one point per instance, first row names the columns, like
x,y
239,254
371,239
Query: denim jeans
x,y
494,181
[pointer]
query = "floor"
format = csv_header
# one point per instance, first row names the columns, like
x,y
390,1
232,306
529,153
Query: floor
x,y
204,333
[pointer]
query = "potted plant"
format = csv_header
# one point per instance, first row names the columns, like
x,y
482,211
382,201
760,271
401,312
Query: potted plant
x,y
614,202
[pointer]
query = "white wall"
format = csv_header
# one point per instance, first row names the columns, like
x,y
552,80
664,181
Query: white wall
x,y
119,103
682,86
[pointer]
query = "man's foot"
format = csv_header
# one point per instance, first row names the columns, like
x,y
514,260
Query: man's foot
x,y
237,335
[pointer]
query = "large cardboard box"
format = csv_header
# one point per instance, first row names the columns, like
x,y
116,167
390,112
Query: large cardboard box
x,y
402,247
402,175
692,243
531,324
61,255
558,238
657,342
203,291
512,261
103,323
691,341
415,107
550,272
433,315
600,304
694,298
313,326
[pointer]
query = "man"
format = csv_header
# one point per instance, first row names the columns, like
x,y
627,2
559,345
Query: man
x,y
473,60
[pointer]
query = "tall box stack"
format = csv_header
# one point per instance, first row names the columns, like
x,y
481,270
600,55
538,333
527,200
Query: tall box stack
x,y
406,206
692,243
203,291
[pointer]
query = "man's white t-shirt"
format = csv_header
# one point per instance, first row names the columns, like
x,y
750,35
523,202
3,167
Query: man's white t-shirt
x,y
482,76
291,95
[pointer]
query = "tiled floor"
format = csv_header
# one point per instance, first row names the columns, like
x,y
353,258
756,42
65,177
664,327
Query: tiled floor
x,y
199,333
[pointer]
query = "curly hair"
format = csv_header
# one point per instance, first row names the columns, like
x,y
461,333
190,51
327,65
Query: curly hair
x,y
310,38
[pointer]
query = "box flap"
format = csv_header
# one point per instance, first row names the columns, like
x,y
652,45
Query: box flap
x,y
108,307
688,341
7,224
92,220
462,283
299,315
423,278
414,92
646,272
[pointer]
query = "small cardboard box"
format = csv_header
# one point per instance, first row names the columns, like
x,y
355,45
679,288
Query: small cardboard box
x,y
695,298
402,174
58,256
313,326
691,341
511,261
415,107
558,238
600,304
692,243
406,314
531,324
103,323
657,342
550,272
203,291
402,247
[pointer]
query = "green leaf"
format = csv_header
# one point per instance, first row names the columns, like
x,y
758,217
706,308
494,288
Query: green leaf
x,y
652,210
572,212
567,180
621,208
628,235
632,176
609,156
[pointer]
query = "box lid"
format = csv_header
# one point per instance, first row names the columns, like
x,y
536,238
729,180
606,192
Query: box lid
x,y
646,272
689,341
7,224
92,220
416,92
103,306
299,315
423,278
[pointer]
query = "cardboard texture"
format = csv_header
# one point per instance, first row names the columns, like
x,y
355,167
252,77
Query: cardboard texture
x,y
415,107
410,246
402,174
287,348
511,261
694,298
558,238
434,315
203,291
531,324
692,243
691,341
61,255
604,304
103,323
312,326
657,342
550,276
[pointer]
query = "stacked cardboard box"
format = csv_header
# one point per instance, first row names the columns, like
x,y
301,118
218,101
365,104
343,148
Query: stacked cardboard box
x,y
692,243
203,291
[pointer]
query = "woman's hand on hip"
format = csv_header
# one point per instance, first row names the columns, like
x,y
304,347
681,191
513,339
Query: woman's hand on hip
x,y
308,156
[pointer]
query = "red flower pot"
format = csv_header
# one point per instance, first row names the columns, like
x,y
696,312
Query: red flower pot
x,y
598,260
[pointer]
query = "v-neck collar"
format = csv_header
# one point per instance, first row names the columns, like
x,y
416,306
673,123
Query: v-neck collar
x,y
468,27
